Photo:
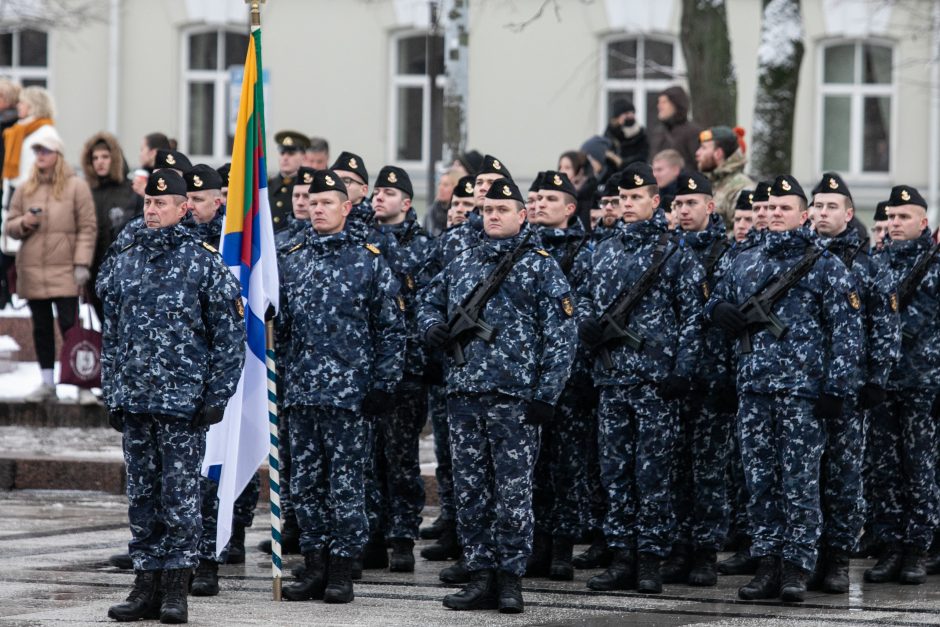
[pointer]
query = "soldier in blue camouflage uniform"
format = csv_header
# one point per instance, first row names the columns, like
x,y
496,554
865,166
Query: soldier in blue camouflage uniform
x,y
499,396
638,410
173,349
559,472
444,527
787,387
841,472
904,472
291,146
395,473
343,360
706,416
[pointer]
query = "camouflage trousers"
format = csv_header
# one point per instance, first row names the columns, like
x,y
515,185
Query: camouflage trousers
x,y
591,490
163,456
493,451
737,486
840,475
904,470
444,473
560,468
243,514
328,452
636,440
395,489
781,446
699,471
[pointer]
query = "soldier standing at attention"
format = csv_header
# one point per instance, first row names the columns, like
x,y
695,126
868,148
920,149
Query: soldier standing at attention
x,y
173,350
344,358
291,146
501,391
657,286
788,384
904,460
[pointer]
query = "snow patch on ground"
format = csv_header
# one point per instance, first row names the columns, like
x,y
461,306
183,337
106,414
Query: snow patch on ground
x,y
26,377
74,442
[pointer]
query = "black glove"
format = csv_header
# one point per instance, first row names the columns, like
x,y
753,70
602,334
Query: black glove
x,y
729,318
116,419
376,402
539,412
437,336
590,332
207,416
725,400
828,406
870,395
935,408
674,387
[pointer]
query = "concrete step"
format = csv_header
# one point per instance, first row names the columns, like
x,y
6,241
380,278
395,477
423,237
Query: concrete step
x,y
52,415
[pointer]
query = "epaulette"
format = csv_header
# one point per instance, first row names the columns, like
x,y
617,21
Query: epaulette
x,y
543,252
372,248
209,247
295,248
128,247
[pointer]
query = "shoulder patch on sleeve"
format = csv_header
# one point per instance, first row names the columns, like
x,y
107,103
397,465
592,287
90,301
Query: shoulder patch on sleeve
x,y
854,301
543,252
893,301
567,306
706,291
401,302
372,248
209,247
239,307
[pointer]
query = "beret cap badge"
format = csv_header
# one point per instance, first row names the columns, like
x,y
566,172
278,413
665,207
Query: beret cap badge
x,y
161,185
507,191
288,141
833,184
197,182
329,180
692,184
637,179
905,195
353,163
392,177
170,159
785,185
556,181
496,164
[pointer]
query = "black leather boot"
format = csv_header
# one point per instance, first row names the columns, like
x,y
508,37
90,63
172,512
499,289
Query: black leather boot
x,y
815,581
677,566
704,568
561,568
290,539
402,559
447,546
339,588
888,567
766,581
479,594
793,583
741,563
620,575
375,554
836,580
174,608
509,589
913,568
313,582
206,579
455,573
236,546
596,556
648,576
436,528
122,561
143,600
540,560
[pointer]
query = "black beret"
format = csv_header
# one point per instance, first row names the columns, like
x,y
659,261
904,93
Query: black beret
x,y
223,171
165,183
504,189
327,181
172,159
471,161
832,183
762,192
291,140
881,213
202,177
464,188
906,195
745,200
637,174
304,176
692,183
349,162
786,185
492,165
536,182
612,186
393,176
559,182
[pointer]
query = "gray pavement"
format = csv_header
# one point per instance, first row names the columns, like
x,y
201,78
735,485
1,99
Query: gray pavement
x,y
53,571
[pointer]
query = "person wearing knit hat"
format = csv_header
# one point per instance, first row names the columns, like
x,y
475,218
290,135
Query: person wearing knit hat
x,y
626,135
721,156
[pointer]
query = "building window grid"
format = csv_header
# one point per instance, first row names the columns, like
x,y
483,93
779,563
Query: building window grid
x,y
401,81
641,88
218,78
857,91
26,75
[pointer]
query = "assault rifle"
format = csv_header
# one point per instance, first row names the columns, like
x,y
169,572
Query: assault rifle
x,y
758,308
908,286
614,321
466,319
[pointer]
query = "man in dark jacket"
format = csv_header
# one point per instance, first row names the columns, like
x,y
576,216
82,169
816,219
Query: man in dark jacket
x,y
675,129
626,134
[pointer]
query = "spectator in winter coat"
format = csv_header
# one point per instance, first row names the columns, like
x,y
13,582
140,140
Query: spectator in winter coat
x,y
628,138
675,129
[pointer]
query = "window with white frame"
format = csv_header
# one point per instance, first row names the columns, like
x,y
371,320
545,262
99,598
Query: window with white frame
x,y
208,56
856,107
417,98
637,68
24,57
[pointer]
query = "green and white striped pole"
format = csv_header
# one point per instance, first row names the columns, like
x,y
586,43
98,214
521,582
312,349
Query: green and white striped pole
x,y
274,463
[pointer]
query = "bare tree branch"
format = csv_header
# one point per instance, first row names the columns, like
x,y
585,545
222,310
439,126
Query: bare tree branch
x,y
518,27
51,14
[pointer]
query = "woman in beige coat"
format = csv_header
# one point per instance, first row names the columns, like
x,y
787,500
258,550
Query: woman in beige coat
x,y
54,215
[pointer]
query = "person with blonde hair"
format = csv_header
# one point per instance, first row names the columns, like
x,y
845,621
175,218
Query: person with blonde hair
x,y
9,97
53,214
36,110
